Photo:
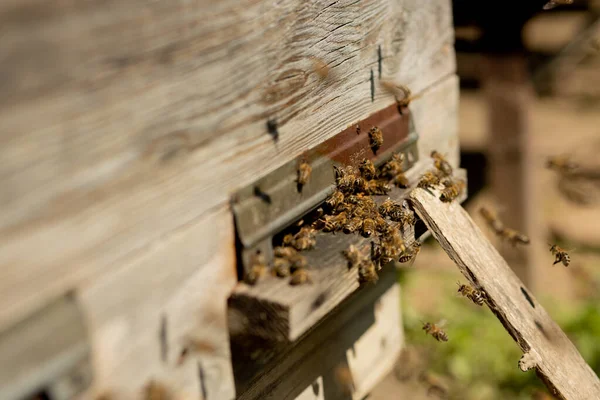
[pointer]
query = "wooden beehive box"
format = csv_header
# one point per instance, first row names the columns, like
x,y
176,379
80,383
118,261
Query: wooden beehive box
x,y
126,127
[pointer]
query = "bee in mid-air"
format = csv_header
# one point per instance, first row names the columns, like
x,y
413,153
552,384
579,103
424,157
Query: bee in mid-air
x,y
368,227
475,295
304,171
553,3
435,331
353,256
258,268
367,273
441,164
367,169
399,89
452,190
429,179
408,255
375,139
299,277
561,164
560,255
335,199
514,237
492,220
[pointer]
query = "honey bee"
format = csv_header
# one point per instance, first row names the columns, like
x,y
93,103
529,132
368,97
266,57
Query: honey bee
x,y
435,331
288,239
475,295
388,206
407,255
560,255
390,246
404,91
353,256
553,3
378,187
375,139
393,167
335,222
300,276
360,184
429,179
353,225
514,237
561,164
368,227
258,268
297,261
367,169
281,267
407,217
401,181
335,199
156,391
492,220
453,190
345,178
367,273
304,239
441,164
284,251
304,171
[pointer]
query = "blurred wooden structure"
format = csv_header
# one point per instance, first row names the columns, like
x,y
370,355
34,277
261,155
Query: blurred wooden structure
x,y
127,124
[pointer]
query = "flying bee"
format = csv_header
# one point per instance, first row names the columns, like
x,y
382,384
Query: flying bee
x,y
300,276
367,169
398,89
560,255
353,256
367,273
408,255
304,171
441,164
304,239
475,295
452,191
401,181
429,179
335,199
514,237
378,187
561,164
492,220
156,391
353,225
281,267
393,167
258,268
435,331
368,227
553,3
375,139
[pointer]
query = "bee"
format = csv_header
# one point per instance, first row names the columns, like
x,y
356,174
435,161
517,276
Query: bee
x,y
258,268
441,164
304,239
393,167
297,261
475,295
304,171
335,199
561,164
353,225
407,217
390,246
156,391
367,169
368,227
284,251
360,184
404,91
514,237
387,207
281,267
435,386
367,273
401,181
288,239
560,255
553,3
335,222
320,67
375,139
300,276
492,220
353,256
429,179
345,178
452,191
378,187
406,256
435,331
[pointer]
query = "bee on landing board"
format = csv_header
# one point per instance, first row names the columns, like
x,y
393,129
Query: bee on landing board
x,y
345,178
367,272
411,253
258,268
560,255
304,239
452,190
334,223
300,276
378,187
475,295
304,171
375,139
281,267
388,206
430,179
435,331
353,256
441,164
367,169
368,227
353,225
335,199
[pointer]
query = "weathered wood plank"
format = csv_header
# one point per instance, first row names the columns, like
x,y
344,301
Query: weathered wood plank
x,y
546,348
146,115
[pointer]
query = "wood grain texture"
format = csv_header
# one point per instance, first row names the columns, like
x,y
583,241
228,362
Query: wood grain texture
x,y
182,282
546,348
125,120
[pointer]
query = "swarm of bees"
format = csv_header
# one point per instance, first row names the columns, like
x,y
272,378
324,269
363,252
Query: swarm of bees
x,y
441,175
512,236
560,255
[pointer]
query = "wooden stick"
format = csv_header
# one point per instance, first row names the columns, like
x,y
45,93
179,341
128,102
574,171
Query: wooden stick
x,y
546,347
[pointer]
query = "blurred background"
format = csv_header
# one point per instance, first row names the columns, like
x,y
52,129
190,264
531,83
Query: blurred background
x,y
530,89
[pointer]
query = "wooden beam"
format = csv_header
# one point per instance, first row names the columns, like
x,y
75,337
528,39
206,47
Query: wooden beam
x,y
545,346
